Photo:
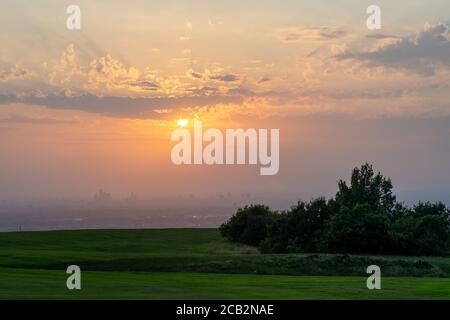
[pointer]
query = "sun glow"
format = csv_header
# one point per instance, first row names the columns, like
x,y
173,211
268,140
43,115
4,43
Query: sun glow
x,y
182,122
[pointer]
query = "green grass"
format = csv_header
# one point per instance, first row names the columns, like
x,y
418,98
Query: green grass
x,y
199,264
50,284
186,250
41,248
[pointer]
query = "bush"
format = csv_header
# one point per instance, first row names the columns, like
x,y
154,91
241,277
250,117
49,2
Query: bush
x,y
424,230
298,230
357,230
248,225
431,235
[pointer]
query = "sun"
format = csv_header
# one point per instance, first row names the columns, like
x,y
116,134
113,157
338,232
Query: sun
x,y
182,122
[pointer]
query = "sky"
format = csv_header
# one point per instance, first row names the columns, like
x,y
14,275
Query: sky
x,y
94,108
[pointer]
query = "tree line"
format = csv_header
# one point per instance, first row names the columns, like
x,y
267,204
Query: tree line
x,y
364,217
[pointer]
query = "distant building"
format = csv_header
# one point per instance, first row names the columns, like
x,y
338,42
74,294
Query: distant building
x,y
102,196
131,198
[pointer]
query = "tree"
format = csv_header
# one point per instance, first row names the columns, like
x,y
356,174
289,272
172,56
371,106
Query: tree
x,y
299,229
366,188
247,225
279,234
422,230
431,235
357,230
364,217
428,208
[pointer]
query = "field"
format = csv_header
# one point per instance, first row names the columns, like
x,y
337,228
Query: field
x,y
199,264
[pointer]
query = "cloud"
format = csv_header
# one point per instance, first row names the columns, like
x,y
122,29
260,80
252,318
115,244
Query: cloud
x,y
204,90
102,72
8,98
13,73
264,79
126,107
19,119
145,85
66,68
382,36
295,34
422,54
107,75
194,75
225,77
111,73
208,75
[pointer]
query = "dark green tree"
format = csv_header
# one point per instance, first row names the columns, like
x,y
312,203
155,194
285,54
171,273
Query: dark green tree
x,y
364,217
422,230
299,229
366,187
428,208
357,230
248,225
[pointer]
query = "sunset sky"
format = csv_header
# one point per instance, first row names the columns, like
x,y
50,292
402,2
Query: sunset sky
x,y
94,108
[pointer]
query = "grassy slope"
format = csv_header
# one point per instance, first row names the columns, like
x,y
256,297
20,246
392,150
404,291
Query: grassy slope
x,y
32,265
184,250
50,284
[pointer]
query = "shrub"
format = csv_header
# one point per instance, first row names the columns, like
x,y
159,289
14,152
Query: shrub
x,y
357,230
248,225
299,229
